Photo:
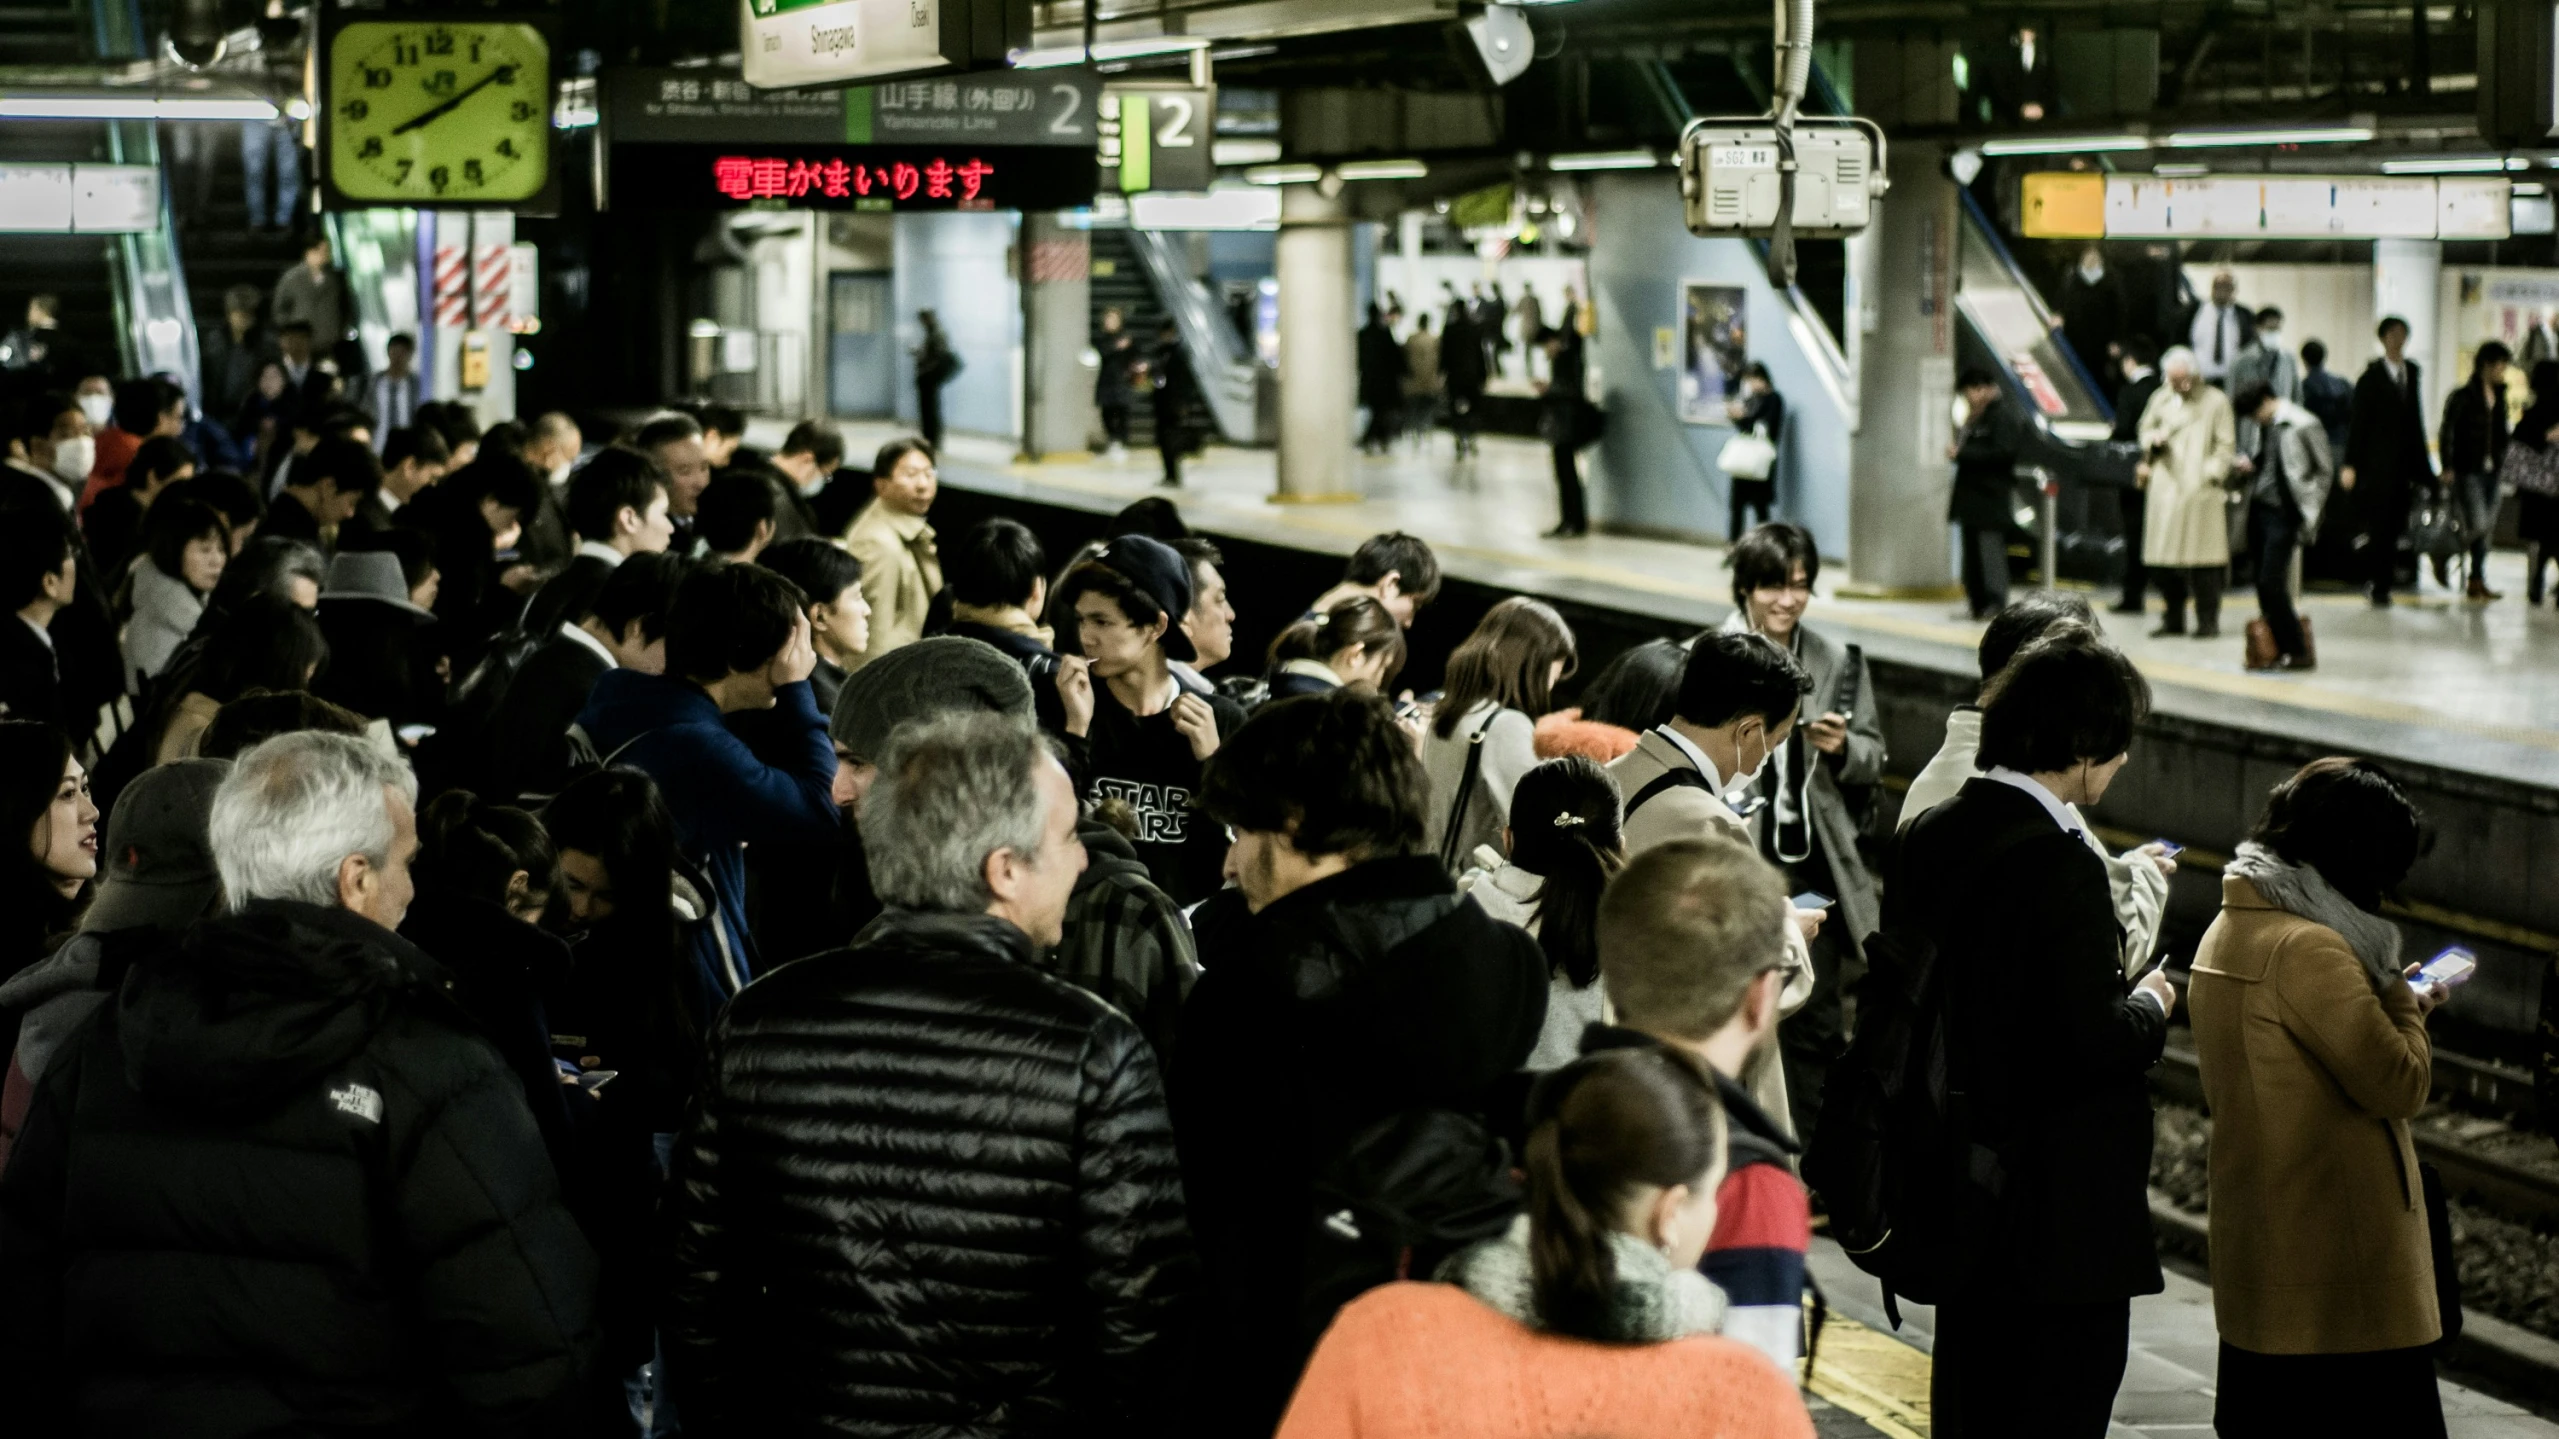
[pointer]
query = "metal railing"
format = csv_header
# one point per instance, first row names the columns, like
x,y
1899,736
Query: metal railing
x,y
155,323
1229,374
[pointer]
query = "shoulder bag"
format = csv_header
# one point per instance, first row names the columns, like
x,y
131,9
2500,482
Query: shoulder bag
x,y
1452,843
2533,469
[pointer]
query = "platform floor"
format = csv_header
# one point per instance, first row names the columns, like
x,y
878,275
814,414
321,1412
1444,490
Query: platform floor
x,y
1882,1378
2436,680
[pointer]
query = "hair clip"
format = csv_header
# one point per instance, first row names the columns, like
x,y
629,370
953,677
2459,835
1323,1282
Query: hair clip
x,y
1569,821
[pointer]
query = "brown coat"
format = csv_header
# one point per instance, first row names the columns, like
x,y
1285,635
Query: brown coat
x,y
901,572
2318,1224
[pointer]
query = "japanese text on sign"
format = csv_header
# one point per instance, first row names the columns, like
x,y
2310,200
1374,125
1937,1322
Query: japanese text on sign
x,y
756,177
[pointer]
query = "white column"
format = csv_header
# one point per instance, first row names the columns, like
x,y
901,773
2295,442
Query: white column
x,y
2407,281
1317,369
1899,478
1057,321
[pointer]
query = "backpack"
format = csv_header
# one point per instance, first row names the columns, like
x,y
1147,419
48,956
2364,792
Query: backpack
x,y
1890,1157
1399,1198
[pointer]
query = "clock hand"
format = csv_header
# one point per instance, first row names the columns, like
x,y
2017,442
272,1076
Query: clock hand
x,y
503,72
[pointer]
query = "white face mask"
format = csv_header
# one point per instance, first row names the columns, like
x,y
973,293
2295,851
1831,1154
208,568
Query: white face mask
x,y
99,408
559,474
1754,772
74,458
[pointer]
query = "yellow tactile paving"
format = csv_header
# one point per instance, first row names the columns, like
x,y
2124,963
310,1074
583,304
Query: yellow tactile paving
x,y
1873,1376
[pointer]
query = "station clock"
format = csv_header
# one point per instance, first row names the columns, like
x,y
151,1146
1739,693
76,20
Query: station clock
x,y
437,111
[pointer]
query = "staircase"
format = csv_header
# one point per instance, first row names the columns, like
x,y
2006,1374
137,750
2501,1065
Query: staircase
x,y
76,268
208,192
1119,283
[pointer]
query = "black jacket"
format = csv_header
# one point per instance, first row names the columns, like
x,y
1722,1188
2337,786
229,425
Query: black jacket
x,y
2386,433
1378,990
84,631
1986,468
2050,1046
282,1186
527,747
927,1189
2473,439
289,518
31,676
2130,401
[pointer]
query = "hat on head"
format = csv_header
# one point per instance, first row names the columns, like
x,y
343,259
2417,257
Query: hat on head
x,y
158,859
919,681
1162,575
371,575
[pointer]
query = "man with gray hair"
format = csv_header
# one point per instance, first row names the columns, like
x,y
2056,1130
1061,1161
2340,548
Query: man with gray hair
x,y
282,1184
927,1187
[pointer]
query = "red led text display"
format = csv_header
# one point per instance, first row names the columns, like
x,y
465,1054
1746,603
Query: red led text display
x,y
765,177
870,177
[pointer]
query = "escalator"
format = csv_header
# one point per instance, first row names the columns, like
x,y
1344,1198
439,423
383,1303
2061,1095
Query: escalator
x,y
1148,280
124,303
2006,328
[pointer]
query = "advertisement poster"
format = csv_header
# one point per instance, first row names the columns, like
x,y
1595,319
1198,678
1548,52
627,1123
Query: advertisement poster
x,y
1715,321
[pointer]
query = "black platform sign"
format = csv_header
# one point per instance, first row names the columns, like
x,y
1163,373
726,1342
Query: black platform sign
x,y
790,176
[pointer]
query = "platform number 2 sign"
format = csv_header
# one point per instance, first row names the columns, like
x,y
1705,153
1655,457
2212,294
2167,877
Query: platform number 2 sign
x,y
1155,137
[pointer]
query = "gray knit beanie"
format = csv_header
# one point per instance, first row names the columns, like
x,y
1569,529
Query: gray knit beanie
x,y
920,680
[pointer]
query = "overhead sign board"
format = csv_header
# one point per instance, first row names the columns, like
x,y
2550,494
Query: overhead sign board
x,y
696,138
1158,137
79,199
1004,107
789,44
2271,207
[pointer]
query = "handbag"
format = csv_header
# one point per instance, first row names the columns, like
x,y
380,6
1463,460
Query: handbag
x,y
1452,844
1748,455
2439,1243
2533,469
2434,531
2259,652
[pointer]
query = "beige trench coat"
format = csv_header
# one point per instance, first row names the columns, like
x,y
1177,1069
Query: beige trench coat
x,y
2194,441
901,572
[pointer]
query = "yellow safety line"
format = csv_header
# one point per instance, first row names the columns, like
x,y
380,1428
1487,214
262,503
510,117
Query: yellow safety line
x,y
1873,1376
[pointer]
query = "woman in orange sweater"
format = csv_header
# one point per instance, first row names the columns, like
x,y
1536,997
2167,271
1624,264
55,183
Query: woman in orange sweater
x,y
1589,1316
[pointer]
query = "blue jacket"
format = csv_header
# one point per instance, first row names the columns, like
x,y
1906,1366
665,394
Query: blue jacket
x,y
723,795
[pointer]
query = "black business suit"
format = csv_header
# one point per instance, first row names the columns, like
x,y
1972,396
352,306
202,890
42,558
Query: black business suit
x,y
30,676
2049,1051
2130,401
567,597
2386,448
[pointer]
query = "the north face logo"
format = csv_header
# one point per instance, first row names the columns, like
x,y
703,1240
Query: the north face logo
x,y
362,1101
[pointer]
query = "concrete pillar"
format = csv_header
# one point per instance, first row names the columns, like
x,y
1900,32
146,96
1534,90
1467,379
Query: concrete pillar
x,y
1317,369
1058,418
1899,479
2407,281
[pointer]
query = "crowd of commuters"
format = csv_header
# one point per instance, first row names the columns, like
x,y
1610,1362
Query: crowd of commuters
x,y
517,936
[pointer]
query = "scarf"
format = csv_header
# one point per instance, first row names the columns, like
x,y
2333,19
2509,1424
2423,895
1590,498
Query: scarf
x,y
1653,1303
2298,889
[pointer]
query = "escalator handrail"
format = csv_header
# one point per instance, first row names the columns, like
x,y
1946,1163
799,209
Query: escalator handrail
x,y
1989,234
1216,351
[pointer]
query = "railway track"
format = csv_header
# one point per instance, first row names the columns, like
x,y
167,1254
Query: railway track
x,y
2514,1190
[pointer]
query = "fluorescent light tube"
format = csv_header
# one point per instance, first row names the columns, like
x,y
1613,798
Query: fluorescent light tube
x,y
1382,170
132,107
1108,50
2223,139
1284,174
1244,152
2455,165
2065,145
1604,160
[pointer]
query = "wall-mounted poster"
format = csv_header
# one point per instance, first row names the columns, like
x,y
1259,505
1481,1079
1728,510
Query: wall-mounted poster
x,y
1715,321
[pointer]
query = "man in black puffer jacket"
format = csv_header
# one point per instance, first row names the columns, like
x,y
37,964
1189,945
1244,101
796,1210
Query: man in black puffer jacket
x,y
1344,981
928,1189
280,1186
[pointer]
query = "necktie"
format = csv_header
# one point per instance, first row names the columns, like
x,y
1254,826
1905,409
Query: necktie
x,y
2220,317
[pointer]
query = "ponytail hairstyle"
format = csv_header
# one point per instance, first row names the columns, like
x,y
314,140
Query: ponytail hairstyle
x,y
1358,620
1565,829
1600,1128
468,846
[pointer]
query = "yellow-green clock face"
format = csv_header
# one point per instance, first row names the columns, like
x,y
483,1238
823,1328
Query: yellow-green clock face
x,y
429,112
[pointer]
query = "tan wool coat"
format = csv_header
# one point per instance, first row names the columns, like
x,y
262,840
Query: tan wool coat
x,y
2318,1221
2193,442
901,572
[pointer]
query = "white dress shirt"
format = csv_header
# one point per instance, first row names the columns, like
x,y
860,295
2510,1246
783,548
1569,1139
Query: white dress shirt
x,y
1697,757
2211,322
598,550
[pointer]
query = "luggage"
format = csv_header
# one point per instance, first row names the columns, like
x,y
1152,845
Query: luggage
x,y
2260,653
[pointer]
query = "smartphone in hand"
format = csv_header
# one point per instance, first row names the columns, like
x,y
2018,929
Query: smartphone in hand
x,y
2169,847
596,1079
2448,970
1812,899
